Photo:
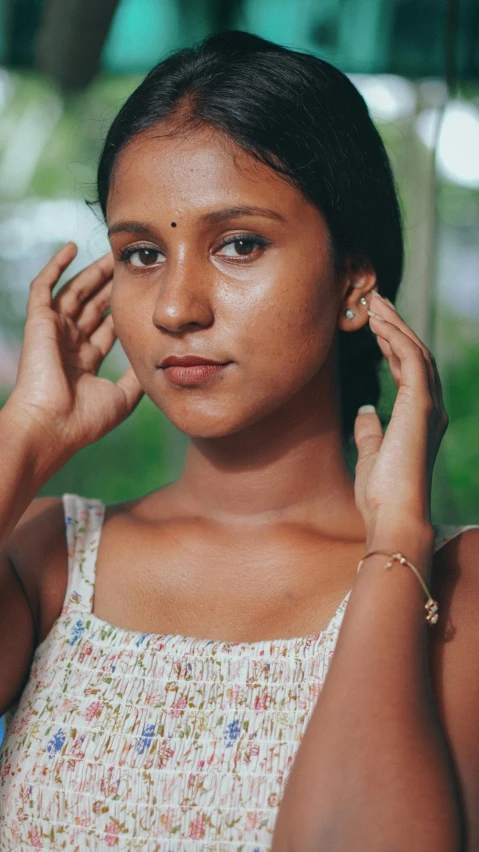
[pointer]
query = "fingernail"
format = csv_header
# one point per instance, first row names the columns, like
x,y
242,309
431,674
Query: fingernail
x,y
376,316
366,409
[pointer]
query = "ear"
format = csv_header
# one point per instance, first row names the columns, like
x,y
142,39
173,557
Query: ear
x,y
358,280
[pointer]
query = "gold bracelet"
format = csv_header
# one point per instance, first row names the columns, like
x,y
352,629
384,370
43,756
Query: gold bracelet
x,y
431,605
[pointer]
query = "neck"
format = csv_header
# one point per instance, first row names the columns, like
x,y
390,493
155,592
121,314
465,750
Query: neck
x,y
289,467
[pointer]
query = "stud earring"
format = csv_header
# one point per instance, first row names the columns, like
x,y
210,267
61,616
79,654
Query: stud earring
x,y
363,300
350,313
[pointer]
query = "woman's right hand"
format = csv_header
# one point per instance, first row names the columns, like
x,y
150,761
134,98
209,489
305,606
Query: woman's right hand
x,y
58,399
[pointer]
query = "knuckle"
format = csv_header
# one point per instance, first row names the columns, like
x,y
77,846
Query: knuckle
x,y
77,295
104,265
411,347
368,444
71,298
38,317
102,299
421,350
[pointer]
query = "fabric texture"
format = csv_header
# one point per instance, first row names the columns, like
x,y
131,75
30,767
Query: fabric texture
x,y
160,743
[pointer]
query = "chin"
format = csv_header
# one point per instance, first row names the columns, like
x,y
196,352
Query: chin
x,y
198,425
210,418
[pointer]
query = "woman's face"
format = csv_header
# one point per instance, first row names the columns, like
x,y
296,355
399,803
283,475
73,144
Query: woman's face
x,y
252,287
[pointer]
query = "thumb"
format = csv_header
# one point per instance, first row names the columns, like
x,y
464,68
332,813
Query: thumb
x,y
131,388
368,435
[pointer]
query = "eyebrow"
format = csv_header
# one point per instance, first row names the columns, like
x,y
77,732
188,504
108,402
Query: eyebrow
x,y
209,218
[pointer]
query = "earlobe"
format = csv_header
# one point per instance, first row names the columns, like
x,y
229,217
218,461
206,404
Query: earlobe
x,y
350,313
355,315
359,283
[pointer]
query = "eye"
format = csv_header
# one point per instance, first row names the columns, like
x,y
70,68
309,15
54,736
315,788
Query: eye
x,y
140,256
242,245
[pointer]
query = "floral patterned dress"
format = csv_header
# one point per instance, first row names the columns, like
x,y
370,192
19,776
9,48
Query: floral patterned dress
x,y
165,743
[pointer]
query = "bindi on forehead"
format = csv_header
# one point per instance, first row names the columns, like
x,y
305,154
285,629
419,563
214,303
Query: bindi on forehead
x,y
173,224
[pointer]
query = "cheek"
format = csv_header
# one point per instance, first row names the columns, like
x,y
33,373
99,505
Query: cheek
x,y
290,334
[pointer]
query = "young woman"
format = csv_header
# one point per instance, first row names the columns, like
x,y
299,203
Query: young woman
x,y
162,661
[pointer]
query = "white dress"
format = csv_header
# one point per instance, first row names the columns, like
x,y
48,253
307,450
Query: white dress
x,y
165,743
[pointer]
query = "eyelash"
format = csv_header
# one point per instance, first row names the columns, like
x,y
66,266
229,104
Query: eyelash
x,y
125,255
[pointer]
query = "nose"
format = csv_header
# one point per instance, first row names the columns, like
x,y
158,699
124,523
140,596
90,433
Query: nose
x,y
183,300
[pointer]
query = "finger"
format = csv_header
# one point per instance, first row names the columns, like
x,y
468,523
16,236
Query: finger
x,y
42,285
388,354
131,388
388,311
92,313
71,298
368,434
395,365
392,360
413,372
104,336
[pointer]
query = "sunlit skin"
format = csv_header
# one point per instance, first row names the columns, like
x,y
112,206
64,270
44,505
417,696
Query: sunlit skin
x,y
265,432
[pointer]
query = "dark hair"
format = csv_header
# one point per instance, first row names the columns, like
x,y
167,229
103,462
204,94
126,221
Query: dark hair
x,y
304,118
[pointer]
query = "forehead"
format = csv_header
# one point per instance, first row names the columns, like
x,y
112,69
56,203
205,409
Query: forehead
x,y
196,169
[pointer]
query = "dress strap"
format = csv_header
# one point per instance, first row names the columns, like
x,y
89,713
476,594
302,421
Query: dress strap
x,y
83,526
446,532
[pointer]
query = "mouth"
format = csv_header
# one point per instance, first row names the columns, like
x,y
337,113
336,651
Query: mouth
x,y
191,370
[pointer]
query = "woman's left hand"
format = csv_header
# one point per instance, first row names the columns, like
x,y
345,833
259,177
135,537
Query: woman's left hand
x,y
394,471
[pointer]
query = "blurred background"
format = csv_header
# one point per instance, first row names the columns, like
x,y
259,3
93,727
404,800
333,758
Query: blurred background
x,y
67,66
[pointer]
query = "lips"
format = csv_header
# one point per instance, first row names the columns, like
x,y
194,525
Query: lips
x,y
189,361
191,370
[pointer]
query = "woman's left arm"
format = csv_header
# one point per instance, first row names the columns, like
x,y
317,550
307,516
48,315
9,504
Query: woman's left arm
x,y
374,771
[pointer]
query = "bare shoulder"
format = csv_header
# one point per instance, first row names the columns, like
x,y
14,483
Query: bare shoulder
x,y
37,548
454,655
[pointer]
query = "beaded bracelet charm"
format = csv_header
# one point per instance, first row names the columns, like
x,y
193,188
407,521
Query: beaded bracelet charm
x,y
431,605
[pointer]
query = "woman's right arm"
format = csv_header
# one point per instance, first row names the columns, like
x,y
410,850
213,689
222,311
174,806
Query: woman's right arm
x,y
58,406
21,477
